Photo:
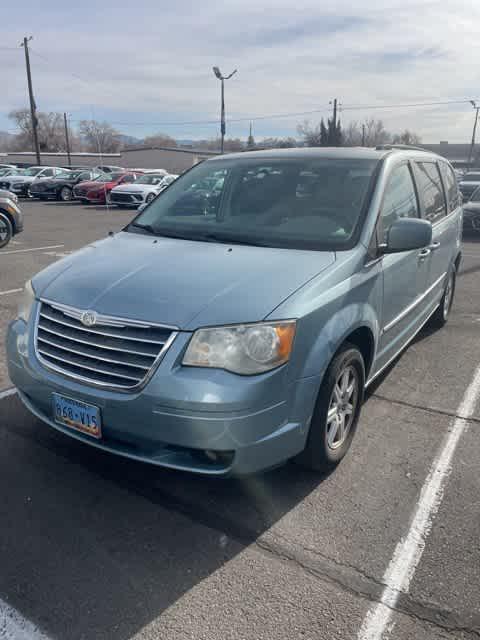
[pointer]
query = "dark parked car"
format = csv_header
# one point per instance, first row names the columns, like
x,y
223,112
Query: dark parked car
x,y
11,219
61,187
468,184
471,212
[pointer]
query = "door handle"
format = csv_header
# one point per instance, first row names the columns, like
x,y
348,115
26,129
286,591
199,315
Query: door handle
x,y
424,253
434,246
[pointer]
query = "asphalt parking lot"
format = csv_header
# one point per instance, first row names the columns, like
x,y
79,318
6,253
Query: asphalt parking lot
x,y
92,546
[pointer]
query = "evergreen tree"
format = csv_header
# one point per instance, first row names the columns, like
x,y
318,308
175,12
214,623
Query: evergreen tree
x,y
324,134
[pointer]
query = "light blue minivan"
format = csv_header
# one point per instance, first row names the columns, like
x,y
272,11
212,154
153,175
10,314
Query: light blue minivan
x,y
237,321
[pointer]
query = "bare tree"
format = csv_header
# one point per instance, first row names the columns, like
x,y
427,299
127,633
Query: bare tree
x,y
99,137
313,136
160,140
278,143
407,137
51,131
230,144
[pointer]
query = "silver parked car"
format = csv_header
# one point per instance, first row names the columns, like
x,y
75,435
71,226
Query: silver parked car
x,y
21,182
11,218
237,320
143,190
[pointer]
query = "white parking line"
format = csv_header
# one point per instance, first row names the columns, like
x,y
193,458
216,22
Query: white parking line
x,y
54,246
5,394
13,626
6,293
409,550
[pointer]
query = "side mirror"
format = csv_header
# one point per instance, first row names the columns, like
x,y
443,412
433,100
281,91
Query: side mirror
x,y
407,234
142,207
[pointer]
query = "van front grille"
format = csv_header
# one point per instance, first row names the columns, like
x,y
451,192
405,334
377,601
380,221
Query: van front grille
x,y
100,350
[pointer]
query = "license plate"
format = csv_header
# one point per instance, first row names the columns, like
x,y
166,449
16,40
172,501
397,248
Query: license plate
x,y
77,415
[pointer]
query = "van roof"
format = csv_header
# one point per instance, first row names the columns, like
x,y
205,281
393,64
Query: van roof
x,y
371,153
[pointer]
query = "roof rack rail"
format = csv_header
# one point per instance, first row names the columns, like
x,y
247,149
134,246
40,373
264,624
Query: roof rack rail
x,y
407,147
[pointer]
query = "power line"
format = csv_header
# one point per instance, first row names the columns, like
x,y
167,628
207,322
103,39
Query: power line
x,y
403,105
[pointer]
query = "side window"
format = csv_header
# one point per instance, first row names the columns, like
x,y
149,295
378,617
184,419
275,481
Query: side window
x,y
47,173
430,190
451,186
84,176
127,179
400,199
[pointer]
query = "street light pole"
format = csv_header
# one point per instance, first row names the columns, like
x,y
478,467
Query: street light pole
x,y
474,105
33,107
67,140
222,79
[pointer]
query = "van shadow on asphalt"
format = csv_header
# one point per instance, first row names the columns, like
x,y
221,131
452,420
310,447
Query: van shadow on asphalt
x,y
95,546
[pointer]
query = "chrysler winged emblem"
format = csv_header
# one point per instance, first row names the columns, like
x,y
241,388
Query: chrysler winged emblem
x,y
89,318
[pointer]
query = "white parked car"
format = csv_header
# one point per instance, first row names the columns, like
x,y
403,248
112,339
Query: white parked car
x,y
20,183
143,190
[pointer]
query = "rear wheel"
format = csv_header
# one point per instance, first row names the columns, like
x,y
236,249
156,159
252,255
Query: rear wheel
x,y
336,412
6,230
65,194
441,315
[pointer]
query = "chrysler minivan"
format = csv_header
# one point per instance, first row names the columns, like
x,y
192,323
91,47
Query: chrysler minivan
x,y
235,323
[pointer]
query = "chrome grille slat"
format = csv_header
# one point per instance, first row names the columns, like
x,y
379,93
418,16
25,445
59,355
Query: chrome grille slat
x,y
96,331
61,358
119,357
90,355
97,344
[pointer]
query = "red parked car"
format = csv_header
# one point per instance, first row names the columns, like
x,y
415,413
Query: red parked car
x,y
98,191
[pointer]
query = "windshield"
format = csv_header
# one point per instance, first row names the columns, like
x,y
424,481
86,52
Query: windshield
x,y
149,179
32,171
471,177
303,203
68,175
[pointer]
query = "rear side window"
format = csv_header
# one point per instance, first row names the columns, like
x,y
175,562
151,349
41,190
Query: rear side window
x,y
430,190
451,186
400,200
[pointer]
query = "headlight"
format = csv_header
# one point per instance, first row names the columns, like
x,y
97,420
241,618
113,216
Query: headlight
x,y
26,302
245,349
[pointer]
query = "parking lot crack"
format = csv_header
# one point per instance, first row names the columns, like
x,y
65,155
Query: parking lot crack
x,y
432,410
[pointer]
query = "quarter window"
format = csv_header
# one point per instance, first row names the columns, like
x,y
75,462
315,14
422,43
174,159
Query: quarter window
x,y
430,190
400,198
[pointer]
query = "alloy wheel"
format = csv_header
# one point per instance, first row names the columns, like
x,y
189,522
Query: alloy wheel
x,y
342,407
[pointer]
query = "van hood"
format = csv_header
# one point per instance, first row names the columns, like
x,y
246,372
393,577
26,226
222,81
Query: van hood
x,y
181,283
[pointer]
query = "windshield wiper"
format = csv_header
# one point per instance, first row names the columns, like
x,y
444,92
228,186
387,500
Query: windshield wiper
x,y
214,237
145,227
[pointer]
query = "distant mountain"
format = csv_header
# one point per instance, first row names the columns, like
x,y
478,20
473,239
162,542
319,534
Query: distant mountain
x,y
129,140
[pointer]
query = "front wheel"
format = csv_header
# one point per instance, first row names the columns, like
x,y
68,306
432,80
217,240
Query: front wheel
x,y
65,194
6,230
441,315
337,410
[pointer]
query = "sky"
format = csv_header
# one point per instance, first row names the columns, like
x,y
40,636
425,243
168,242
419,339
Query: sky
x,y
146,65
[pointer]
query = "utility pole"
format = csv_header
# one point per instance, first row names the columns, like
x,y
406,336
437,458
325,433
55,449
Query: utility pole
x,y
33,106
222,79
477,108
332,131
67,140
363,135
335,115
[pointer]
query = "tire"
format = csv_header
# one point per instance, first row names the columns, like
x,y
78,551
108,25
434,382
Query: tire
x,y
149,198
6,230
442,313
65,194
327,442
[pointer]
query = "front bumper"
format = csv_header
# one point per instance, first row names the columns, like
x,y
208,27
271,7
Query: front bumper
x,y
20,188
124,199
249,423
